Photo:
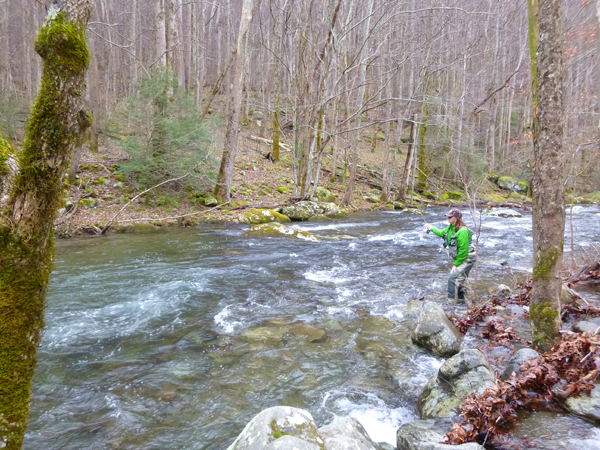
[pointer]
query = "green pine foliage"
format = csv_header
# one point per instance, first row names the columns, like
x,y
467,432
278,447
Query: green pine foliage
x,y
162,134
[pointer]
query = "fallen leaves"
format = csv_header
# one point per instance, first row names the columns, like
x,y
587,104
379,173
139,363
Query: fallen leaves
x,y
570,369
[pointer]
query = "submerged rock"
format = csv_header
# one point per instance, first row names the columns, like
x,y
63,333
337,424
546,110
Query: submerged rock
x,y
276,423
275,229
586,406
466,372
435,332
308,333
428,435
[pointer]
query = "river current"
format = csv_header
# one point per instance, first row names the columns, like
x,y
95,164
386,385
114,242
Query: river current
x,y
176,339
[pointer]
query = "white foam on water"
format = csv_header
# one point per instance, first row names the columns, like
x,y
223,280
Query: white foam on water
x,y
352,246
385,237
379,420
343,293
394,313
293,255
340,311
490,242
221,320
335,226
328,276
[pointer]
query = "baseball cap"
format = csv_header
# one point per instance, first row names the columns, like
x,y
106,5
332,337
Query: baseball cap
x,y
454,213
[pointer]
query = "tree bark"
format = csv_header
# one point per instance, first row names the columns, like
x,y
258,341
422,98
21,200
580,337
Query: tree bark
x,y
409,158
28,212
225,176
548,179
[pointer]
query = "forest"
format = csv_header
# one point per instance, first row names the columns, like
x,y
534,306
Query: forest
x,y
168,112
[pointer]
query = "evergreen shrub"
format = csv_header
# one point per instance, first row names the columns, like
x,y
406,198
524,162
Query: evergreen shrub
x,y
162,133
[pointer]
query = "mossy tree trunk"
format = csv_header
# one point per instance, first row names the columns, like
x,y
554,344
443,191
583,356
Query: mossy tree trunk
x,y
30,208
548,178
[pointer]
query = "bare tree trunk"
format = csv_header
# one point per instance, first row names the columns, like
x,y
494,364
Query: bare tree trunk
x,y
225,176
409,159
347,199
28,212
161,33
548,183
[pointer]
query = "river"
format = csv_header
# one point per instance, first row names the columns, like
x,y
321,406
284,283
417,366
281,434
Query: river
x,y
150,339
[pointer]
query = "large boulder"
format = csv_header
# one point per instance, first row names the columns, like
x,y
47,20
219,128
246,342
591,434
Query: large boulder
x,y
305,209
507,183
466,372
435,332
586,406
275,229
347,434
519,357
428,435
275,423
258,216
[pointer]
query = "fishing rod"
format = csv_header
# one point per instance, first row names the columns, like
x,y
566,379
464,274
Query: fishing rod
x,y
421,213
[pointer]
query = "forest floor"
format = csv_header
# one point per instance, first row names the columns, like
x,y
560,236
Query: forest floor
x,y
100,193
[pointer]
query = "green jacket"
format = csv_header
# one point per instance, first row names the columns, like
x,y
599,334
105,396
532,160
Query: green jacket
x,y
459,247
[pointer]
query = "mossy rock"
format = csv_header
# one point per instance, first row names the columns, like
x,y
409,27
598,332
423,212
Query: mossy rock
x,y
283,190
398,205
239,204
594,197
372,198
258,216
493,197
275,229
457,196
522,186
90,203
210,201
388,207
137,228
324,195
493,177
120,177
507,182
428,195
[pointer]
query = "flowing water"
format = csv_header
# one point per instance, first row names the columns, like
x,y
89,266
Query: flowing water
x,y
176,339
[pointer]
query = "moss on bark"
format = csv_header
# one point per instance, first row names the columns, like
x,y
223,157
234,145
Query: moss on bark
x,y
26,222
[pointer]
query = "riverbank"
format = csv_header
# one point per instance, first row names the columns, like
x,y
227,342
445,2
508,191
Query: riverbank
x,y
101,194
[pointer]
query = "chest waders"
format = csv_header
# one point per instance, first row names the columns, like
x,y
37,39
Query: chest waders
x,y
457,279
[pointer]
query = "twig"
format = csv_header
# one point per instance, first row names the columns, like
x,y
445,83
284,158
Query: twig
x,y
105,229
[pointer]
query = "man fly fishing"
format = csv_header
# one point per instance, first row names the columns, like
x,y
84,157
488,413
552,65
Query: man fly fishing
x,y
458,246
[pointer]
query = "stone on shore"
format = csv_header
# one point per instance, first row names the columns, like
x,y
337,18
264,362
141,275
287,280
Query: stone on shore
x,y
347,434
428,435
466,372
435,332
